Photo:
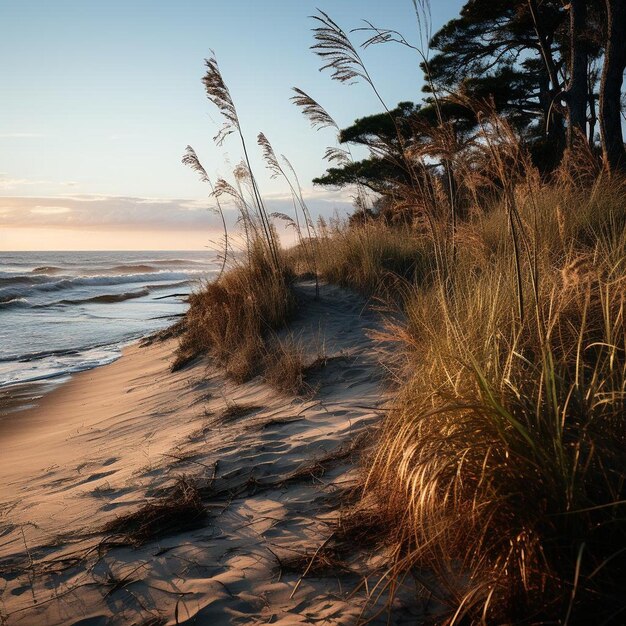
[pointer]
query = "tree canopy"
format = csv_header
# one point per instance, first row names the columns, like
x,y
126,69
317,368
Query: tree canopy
x,y
553,70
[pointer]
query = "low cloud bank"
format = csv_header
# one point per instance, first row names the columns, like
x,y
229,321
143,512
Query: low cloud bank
x,y
138,213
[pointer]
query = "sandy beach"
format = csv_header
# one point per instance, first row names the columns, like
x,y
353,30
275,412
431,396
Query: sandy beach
x,y
272,469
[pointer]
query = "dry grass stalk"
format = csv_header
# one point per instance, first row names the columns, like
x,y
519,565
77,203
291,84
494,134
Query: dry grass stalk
x,y
180,510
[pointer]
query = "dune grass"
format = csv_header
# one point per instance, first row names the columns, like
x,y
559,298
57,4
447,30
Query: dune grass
x,y
501,467
371,258
231,318
502,464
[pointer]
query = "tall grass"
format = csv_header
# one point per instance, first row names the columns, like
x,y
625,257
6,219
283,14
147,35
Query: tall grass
x,y
232,317
370,258
502,465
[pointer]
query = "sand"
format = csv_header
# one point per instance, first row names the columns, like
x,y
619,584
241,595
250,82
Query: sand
x,y
276,471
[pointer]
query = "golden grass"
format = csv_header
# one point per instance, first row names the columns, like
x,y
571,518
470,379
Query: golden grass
x,y
230,319
502,465
370,258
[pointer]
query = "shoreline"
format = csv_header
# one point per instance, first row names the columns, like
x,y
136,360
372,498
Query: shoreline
x,y
24,396
78,310
15,398
273,468
63,390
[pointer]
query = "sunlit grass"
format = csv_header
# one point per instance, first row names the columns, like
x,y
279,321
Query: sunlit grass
x,y
502,465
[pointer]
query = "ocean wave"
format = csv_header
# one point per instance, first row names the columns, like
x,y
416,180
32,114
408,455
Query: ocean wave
x,y
7,279
107,298
177,262
47,269
150,265
11,290
57,364
88,349
180,283
89,281
65,312
7,302
124,268
43,354
131,268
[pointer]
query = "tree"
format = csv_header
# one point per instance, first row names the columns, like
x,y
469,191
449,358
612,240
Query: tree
x,y
384,171
533,62
576,95
409,128
611,86
537,55
517,47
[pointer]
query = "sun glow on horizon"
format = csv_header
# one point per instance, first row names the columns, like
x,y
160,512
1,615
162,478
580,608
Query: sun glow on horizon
x,y
26,239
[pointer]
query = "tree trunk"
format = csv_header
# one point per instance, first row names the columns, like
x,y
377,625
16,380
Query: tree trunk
x,y
611,86
593,116
545,46
576,95
554,114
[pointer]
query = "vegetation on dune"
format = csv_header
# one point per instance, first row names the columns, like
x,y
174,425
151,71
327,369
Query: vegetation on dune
x,y
498,238
232,318
371,258
501,465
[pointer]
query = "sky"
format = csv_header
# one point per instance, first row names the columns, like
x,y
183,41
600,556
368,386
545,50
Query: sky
x,y
100,98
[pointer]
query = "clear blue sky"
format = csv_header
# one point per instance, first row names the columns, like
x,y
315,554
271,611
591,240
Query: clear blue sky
x,y
100,98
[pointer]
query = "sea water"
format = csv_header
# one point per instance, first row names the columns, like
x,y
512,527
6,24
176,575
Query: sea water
x,y
63,312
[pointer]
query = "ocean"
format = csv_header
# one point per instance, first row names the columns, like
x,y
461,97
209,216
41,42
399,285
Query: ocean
x,y
64,312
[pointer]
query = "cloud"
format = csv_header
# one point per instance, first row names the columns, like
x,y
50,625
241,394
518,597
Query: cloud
x,y
50,210
21,135
11,183
93,212
7,183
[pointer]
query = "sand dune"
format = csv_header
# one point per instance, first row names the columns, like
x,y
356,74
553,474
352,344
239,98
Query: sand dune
x,y
273,471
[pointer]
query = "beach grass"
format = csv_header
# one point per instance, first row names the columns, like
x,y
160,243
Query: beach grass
x,y
502,463
500,467
285,365
371,258
231,318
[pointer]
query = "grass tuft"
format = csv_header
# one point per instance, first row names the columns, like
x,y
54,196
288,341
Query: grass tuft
x,y
179,510
285,366
231,318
